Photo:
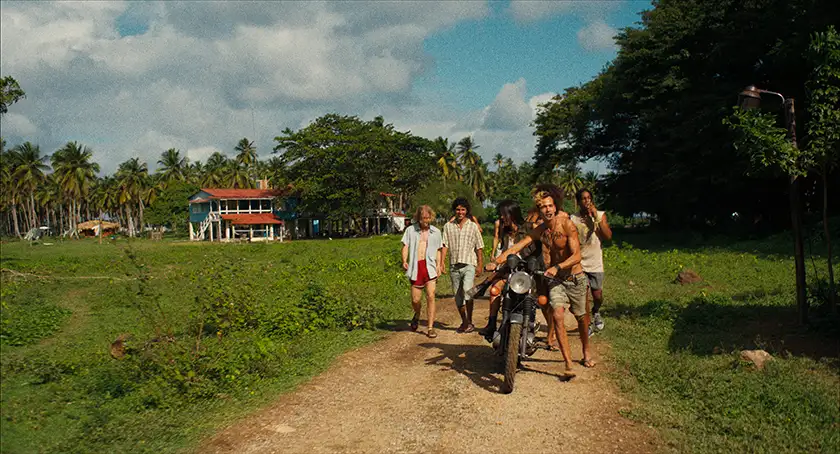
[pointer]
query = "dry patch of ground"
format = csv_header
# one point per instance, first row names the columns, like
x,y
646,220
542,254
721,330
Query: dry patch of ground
x,y
408,393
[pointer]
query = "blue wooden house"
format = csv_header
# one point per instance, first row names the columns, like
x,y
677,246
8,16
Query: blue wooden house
x,y
245,214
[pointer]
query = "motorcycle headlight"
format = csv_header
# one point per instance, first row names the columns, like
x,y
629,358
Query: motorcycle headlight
x,y
520,282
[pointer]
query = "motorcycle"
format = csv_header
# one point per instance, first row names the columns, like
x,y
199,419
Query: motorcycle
x,y
515,337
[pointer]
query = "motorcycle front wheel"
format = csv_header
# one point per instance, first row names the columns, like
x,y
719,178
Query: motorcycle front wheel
x,y
512,357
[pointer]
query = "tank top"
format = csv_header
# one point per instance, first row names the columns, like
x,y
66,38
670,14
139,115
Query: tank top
x,y
591,256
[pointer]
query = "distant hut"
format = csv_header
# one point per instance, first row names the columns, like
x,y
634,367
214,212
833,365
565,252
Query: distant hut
x,y
91,228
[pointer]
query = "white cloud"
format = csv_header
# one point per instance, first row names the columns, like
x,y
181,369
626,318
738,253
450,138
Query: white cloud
x,y
597,36
14,124
533,10
525,11
509,111
201,153
205,74
198,76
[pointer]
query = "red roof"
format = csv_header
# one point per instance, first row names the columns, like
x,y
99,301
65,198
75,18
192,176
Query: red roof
x,y
241,193
250,219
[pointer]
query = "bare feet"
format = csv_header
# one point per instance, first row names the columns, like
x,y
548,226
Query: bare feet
x,y
588,363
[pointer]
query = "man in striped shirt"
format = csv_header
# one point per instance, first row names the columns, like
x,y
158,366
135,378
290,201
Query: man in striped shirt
x,y
462,239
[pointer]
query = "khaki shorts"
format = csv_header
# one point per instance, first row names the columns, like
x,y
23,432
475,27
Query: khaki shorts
x,y
570,295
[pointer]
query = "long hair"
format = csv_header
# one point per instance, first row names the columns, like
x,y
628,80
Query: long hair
x,y
579,194
544,190
421,210
463,202
509,211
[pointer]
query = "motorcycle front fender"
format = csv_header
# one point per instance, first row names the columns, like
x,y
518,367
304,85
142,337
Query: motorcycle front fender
x,y
517,318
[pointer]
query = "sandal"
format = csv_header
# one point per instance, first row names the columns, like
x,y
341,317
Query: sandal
x,y
470,328
414,322
432,333
587,363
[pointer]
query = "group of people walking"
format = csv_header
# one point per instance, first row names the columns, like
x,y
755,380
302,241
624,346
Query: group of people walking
x,y
568,246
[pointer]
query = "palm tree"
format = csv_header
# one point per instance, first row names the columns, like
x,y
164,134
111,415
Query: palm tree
x,y
132,176
447,163
237,175
467,156
195,172
28,174
276,171
75,172
214,171
106,195
9,191
49,196
173,167
499,160
477,179
590,180
246,152
570,181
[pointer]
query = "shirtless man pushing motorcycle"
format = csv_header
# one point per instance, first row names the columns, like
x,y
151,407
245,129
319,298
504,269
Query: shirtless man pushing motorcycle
x,y
561,253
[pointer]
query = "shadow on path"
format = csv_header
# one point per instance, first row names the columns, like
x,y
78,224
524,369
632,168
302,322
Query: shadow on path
x,y
476,362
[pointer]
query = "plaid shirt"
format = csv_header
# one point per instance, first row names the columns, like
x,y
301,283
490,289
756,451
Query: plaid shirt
x,y
462,242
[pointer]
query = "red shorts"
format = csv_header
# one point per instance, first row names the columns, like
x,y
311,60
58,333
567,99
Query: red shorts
x,y
422,275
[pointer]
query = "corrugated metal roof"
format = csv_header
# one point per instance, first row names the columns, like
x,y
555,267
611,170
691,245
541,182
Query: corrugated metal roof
x,y
252,218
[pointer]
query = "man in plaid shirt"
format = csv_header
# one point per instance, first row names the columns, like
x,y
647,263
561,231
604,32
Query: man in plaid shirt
x,y
462,239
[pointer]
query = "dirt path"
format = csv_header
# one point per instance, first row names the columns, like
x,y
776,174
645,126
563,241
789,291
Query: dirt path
x,y
408,393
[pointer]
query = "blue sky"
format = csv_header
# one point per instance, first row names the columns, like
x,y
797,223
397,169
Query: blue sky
x,y
132,79
476,57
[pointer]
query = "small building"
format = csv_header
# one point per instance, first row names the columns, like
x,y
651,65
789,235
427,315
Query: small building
x,y
385,218
236,214
91,228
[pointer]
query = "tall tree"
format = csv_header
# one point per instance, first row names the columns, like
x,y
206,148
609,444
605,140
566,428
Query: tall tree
x,y
173,167
75,171
654,113
340,163
246,157
246,152
570,181
237,175
824,125
467,155
132,177
10,194
445,159
499,161
28,174
215,170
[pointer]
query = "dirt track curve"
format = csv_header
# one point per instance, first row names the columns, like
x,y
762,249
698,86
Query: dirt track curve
x,y
411,394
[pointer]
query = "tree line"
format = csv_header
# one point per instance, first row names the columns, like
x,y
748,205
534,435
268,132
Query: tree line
x,y
337,166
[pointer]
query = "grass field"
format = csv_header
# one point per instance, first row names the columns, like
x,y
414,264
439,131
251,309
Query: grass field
x,y
219,330
675,348
295,307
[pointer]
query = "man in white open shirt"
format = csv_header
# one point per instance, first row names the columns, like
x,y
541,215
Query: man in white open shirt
x,y
422,261
592,227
